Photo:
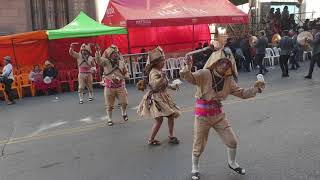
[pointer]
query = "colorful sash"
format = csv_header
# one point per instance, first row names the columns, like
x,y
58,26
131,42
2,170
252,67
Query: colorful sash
x,y
111,84
207,108
84,69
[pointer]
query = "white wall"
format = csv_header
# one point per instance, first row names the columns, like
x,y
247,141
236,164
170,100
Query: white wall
x,y
101,7
312,6
244,7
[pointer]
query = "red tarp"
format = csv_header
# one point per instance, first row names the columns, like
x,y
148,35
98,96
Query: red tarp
x,y
155,13
168,23
171,39
30,48
59,51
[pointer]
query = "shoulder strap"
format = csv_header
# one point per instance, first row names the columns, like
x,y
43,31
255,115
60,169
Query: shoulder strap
x,y
114,69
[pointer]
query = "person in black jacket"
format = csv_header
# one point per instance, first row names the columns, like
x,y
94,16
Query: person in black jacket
x,y
286,46
245,47
50,74
49,70
315,43
294,56
199,59
207,53
261,46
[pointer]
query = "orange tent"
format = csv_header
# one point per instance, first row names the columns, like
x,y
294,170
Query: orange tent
x,y
26,49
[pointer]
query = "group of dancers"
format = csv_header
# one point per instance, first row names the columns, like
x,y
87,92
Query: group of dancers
x,y
214,83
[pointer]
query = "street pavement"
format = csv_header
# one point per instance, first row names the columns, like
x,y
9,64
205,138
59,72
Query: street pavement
x,y
55,138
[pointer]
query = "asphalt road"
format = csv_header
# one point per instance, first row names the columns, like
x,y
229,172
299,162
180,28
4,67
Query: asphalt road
x,y
54,138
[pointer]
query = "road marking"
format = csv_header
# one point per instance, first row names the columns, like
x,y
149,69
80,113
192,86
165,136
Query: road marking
x,y
135,107
46,127
54,133
94,126
86,120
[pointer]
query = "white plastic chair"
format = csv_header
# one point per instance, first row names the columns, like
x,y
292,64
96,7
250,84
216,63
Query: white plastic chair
x,y
276,54
172,66
180,61
270,57
167,68
305,55
136,72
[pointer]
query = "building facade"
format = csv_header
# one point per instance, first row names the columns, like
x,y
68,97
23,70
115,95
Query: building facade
x,y
18,16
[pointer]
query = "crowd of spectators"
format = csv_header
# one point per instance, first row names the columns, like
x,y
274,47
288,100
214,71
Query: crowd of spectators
x,y
277,22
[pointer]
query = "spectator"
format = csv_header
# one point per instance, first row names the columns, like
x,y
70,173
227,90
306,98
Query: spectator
x,y
207,53
270,22
231,44
277,23
285,19
237,52
315,52
142,59
306,25
292,22
295,55
286,46
261,46
199,59
50,74
199,46
245,47
7,79
36,76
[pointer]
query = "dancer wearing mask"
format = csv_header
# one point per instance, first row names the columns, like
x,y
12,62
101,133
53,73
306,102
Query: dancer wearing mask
x,y
114,76
214,83
86,65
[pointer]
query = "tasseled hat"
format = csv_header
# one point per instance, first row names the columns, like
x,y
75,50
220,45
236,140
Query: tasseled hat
x,y
153,57
85,47
111,49
222,53
155,54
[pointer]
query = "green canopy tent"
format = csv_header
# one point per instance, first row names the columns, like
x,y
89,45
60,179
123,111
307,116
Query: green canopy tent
x,y
84,26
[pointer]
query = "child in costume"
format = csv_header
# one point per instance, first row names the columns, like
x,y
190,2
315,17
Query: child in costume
x,y
157,103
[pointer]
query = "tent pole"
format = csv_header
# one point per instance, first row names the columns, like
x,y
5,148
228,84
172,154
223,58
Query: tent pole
x,y
14,54
193,36
129,52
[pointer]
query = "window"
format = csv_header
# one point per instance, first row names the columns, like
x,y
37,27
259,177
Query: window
x,y
49,14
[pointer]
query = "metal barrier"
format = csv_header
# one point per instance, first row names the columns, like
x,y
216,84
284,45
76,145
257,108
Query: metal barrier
x,y
136,64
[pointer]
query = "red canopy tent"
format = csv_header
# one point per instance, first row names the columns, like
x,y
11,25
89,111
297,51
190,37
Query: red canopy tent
x,y
26,48
173,24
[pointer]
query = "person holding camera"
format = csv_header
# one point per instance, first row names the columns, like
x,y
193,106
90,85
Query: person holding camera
x,y
7,79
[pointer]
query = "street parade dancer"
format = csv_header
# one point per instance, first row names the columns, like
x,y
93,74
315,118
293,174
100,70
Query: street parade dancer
x,y
86,66
114,76
214,83
157,103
